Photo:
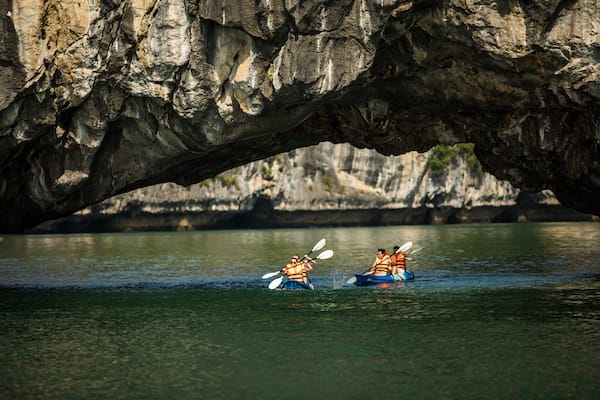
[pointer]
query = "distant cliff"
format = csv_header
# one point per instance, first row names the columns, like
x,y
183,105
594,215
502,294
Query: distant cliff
x,y
328,185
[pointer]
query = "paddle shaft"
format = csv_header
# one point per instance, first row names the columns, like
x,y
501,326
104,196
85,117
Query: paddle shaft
x,y
323,256
318,246
368,272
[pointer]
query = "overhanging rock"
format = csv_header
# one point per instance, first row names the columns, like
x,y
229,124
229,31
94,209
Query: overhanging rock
x,y
132,93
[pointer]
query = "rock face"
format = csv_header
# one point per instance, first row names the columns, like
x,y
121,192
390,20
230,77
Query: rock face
x,y
137,92
329,177
325,185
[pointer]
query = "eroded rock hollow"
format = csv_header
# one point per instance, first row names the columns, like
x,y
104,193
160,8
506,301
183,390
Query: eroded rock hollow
x,y
105,96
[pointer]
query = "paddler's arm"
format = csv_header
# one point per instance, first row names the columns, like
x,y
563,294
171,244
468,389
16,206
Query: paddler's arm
x,y
308,263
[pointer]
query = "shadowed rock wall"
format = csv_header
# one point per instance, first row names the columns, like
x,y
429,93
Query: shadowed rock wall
x,y
102,97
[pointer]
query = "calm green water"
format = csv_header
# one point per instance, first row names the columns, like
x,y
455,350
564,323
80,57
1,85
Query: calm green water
x,y
495,311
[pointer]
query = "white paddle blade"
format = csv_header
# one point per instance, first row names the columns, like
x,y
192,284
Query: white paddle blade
x,y
269,275
325,255
404,247
275,282
417,250
320,244
353,279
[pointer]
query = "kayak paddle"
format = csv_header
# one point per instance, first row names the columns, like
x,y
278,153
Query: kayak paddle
x,y
275,282
270,275
352,280
320,244
323,256
405,247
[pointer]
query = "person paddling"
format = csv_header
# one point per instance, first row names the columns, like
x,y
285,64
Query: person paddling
x,y
398,260
297,270
382,264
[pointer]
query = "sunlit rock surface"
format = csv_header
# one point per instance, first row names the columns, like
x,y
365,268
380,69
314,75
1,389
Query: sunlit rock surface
x,y
326,185
102,97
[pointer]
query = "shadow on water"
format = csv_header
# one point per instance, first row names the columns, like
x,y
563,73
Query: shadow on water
x,y
178,342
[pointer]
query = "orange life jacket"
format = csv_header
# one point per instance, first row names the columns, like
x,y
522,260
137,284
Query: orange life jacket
x,y
401,260
296,272
383,264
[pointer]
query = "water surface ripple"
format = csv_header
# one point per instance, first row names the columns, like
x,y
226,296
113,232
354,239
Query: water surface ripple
x,y
496,311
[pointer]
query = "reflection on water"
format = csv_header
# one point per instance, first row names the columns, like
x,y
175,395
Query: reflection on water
x,y
495,311
176,343
464,255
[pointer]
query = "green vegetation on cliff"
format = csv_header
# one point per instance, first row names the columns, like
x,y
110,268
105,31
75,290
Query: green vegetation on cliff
x,y
228,180
443,155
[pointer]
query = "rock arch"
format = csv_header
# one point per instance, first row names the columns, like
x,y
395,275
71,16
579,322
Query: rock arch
x,y
141,92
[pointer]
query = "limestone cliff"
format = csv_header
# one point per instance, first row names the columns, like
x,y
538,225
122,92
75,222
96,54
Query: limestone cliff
x,y
326,185
102,97
329,177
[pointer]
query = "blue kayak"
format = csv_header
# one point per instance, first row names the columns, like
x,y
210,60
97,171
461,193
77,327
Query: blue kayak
x,y
295,285
364,280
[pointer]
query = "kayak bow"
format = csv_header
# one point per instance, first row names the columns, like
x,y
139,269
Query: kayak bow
x,y
364,280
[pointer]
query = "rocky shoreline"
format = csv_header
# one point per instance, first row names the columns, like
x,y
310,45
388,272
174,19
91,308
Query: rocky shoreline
x,y
265,218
